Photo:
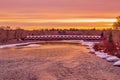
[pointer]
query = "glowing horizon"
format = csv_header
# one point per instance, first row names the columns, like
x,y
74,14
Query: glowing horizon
x,y
87,20
58,13
59,23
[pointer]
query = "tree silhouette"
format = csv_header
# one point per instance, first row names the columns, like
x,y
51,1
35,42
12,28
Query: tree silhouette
x,y
116,25
110,37
7,33
102,34
18,32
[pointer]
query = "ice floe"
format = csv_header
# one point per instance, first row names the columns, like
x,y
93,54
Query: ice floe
x,y
117,63
103,55
112,59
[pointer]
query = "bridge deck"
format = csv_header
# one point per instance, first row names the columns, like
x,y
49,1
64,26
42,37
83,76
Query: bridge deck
x,y
63,37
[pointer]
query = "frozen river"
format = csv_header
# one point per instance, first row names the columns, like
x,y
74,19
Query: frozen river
x,y
54,62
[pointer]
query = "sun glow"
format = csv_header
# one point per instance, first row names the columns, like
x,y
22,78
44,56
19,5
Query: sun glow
x,y
93,20
81,23
73,20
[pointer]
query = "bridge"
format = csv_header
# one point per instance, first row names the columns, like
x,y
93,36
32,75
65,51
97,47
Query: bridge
x,y
63,37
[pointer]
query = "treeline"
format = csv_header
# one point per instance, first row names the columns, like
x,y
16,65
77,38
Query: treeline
x,y
7,34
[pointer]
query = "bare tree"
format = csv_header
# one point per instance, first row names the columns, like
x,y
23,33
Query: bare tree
x,y
7,30
116,25
18,33
110,37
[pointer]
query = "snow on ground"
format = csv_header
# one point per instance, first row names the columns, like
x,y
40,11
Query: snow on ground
x,y
90,44
117,63
32,44
112,59
29,44
102,55
7,46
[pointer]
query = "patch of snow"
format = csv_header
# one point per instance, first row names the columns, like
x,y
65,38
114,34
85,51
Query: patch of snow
x,y
87,43
117,63
112,59
32,45
99,53
92,50
17,44
90,46
103,55
7,46
20,44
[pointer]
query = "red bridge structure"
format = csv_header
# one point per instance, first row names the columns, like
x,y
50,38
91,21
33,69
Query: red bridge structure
x,y
63,37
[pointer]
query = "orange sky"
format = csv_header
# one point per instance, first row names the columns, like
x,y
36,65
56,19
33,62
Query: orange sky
x,y
35,14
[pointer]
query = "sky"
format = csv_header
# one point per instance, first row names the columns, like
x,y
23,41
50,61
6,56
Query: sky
x,y
37,14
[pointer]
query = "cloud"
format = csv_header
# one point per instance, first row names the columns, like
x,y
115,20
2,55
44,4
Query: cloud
x,y
31,10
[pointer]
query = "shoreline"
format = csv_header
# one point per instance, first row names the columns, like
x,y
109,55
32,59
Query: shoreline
x,y
41,42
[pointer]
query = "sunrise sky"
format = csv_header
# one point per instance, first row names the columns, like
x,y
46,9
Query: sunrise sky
x,y
37,14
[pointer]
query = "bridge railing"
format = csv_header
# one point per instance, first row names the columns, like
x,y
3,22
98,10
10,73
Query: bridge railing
x,y
63,37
